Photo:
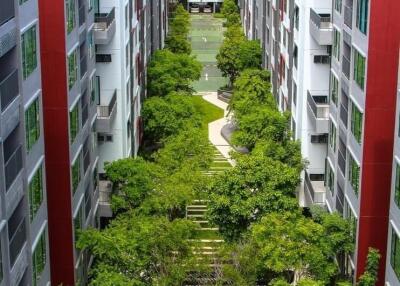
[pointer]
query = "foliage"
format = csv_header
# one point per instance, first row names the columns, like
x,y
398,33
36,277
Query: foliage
x,y
140,250
168,72
164,117
132,180
231,12
237,53
370,275
256,186
177,38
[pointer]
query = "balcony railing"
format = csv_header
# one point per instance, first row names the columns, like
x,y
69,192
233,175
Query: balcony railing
x,y
322,21
13,167
82,15
348,16
8,89
106,110
7,11
318,105
104,20
346,67
17,241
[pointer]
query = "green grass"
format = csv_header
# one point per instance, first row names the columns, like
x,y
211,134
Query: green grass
x,y
209,112
207,234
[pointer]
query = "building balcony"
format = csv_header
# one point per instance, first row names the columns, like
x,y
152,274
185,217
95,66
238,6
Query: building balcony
x,y
314,191
346,67
318,110
106,115
105,191
104,28
321,28
9,103
13,166
7,11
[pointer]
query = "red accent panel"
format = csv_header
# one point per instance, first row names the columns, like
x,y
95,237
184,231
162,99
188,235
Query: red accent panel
x,y
379,125
55,111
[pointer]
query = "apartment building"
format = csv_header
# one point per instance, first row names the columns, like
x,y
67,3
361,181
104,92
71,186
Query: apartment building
x,y
343,64
24,249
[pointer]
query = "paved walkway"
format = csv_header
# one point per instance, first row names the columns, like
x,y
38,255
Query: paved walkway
x,y
214,128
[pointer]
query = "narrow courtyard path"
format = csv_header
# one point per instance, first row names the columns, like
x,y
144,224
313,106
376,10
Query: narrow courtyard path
x,y
206,38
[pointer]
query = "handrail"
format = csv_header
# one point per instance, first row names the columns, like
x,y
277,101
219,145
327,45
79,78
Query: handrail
x,y
106,110
322,21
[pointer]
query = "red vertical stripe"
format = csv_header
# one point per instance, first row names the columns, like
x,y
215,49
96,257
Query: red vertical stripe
x,y
55,111
380,111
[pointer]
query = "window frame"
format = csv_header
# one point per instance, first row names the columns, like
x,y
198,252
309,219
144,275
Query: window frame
x,y
40,257
356,122
359,68
32,124
34,203
354,174
29,51
362,11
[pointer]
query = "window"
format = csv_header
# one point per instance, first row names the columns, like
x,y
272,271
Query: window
x,y
338,5
294,93
36,192
397,186
74,122
95,178
362,16
332,136
320,138
76,173
336,44
356,122
29,51
91,46
70,13
72,69
16,232
90,4
88,202
330,177
359,69
349,215
94,86
39,259
334,89
354,174
395,253
32,124
20,3
126,16
127,54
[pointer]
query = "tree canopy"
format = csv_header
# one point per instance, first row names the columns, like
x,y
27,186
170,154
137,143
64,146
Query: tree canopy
x,y
169,72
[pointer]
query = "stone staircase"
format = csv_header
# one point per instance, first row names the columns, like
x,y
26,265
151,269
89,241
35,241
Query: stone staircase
x,y
208,240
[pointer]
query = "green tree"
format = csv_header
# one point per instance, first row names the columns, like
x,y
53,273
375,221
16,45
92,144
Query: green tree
x,y
231,12
370,275
133,180
177,38
167,116
256,186
168,72
178,44
140,250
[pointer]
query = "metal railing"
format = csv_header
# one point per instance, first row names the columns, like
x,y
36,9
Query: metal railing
x,y
106,110
348,16
322,21
13,166
8,89
346,67
17,241
82,15
7,11
83,66
318,105
104,20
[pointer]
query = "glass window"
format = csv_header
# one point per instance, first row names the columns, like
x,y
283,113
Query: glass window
x,y
334,89
74,122
359,69
76,173
349,215
70,13
91,46
395,253
29,51
338,5
362,16
354,174
36,192
90,4
32,124
397,186
356,122
330,177
336,44
332,136
39,259
72,68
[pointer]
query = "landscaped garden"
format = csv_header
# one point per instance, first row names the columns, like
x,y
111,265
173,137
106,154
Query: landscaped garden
x,y
183,215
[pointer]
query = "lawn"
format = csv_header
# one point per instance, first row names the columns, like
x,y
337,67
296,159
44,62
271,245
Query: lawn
x,y
209,112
